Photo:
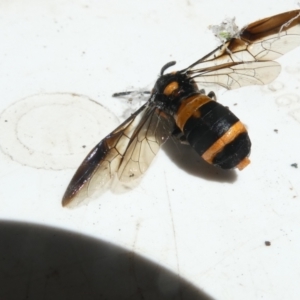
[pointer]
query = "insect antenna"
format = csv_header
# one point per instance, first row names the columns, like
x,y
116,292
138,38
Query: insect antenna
x,y
166,66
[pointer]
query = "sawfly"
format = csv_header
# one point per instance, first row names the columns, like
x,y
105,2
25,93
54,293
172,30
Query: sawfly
x,y
178,107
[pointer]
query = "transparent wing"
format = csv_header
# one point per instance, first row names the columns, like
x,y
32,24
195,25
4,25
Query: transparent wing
x,y
127,151
151,133
250,52
235,75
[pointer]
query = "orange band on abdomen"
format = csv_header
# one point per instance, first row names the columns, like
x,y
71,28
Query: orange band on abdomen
x,y
225,139
189,107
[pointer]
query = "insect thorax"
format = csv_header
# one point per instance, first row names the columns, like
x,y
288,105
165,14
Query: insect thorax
x,y
171,89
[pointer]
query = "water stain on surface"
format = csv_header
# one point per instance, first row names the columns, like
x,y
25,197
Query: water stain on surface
x,y
288,100
275,86
53,131
291,102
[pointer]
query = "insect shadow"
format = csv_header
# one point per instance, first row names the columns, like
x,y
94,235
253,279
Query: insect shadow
x,y
187,159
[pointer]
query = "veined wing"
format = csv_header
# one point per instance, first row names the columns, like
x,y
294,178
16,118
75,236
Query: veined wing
x,y
150,134
246,58
127,152
235,75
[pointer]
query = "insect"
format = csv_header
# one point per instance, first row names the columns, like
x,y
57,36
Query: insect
x,y
178,107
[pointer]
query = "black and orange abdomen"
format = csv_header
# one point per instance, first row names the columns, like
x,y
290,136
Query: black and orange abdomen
x,y
214,132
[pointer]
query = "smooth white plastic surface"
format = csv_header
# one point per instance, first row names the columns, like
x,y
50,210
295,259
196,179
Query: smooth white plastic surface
x,y
60,62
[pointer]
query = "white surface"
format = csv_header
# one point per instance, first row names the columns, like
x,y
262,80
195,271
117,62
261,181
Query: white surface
x,y
208,226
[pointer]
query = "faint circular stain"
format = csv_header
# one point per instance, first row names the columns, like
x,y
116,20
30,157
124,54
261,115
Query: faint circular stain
x,y
275,86
53,131
293,69
288,100
295,114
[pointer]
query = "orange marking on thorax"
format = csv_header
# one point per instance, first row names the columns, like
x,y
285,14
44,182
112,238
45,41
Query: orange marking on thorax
x,y
225,139
170,88
189,107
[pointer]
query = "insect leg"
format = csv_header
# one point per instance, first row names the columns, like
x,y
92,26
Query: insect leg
x,y
122,94
179,135
212,96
